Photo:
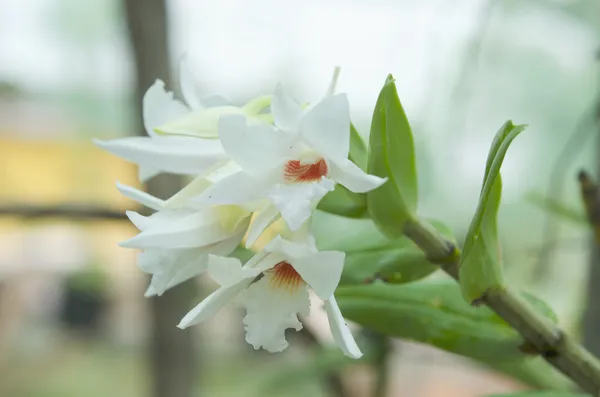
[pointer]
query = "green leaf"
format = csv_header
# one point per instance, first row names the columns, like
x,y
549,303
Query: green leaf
x,y
335,232
502,141
359,153
392,156
433,313
392,264
369,253
540,394
481,265
557,208
342,201
499,147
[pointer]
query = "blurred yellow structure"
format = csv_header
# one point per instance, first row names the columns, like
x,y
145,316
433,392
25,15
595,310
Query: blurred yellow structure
x,y
38,172
41,173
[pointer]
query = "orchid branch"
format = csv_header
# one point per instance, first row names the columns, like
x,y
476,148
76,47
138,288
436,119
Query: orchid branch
x,y
540,335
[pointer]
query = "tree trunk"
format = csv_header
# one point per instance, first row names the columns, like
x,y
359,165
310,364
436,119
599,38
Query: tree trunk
x,y
171,350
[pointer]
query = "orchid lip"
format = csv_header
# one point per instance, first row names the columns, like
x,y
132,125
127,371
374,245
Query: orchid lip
x,y
296,171
285,277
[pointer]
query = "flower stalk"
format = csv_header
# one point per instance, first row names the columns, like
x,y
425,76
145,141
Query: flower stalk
x,y
540,335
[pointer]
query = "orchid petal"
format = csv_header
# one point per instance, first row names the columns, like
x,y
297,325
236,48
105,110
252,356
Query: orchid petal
x,y
146,172
351,176
286,111
322,271
326,127
212,304
211,101
229,271
159,107
174,154
140,221
172,267
340,331
238,188
141,197
188,86
296,202
201,123
270,311
291,249
257,147
195,230
261,221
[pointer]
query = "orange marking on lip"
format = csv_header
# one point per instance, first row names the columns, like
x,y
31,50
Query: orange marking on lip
x,y
284,276
296,172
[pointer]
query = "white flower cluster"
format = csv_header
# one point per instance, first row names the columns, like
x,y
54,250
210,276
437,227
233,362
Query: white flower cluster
x,y
270,159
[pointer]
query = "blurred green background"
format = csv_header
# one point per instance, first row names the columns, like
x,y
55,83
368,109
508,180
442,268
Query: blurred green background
x,y
73,320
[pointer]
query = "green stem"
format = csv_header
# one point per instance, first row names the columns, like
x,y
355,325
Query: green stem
x,y
540,335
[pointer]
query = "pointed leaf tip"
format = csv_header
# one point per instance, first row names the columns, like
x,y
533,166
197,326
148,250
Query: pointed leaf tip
x,y
481,265
392,156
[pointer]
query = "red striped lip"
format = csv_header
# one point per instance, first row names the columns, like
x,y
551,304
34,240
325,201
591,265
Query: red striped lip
x,y
294,171
284,276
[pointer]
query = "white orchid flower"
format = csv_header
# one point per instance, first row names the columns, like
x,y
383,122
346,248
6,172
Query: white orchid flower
x,y
293,163
275,284
182,139
178,238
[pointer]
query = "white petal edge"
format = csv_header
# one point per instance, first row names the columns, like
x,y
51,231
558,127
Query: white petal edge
x,y
160,107
188,85
292,249
322,271
238,188
351,176
268,261
296,202
174,154
326,127
270,312
170,268
214,100
147,172
141,197
258,147
286,111
140,221
261,221
212,304
340,331
184,268
229,271
193,189
196,230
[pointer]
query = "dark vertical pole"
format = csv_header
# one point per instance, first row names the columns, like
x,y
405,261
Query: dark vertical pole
x,y
172,350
